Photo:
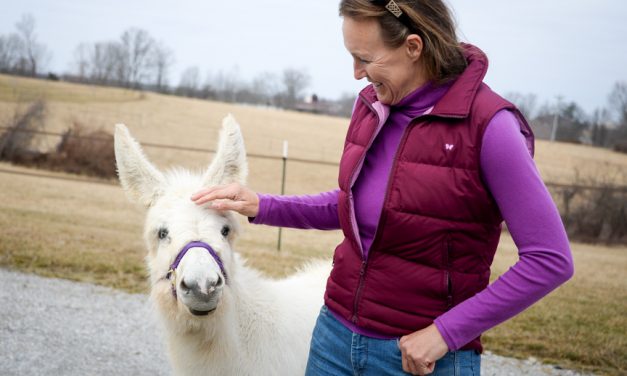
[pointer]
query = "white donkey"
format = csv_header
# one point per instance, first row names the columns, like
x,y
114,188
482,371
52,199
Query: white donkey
x,y
221,317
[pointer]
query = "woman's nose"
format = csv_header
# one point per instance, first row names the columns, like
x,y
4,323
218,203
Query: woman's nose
x,y
358,71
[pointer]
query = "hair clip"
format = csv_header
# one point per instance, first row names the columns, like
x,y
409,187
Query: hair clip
x,y
394,8
390,5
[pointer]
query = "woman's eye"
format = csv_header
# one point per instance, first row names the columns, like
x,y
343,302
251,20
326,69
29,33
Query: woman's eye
x,y
163,233
225,231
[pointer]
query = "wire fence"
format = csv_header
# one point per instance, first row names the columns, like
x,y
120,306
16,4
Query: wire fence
x,y
590,212
172,147
559,186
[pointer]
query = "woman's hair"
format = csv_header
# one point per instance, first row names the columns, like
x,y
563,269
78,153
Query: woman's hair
x,y
430,19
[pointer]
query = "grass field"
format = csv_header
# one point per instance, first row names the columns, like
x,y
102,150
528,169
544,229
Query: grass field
x,y
87,231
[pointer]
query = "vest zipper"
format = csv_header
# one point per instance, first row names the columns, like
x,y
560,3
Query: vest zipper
x,y
353,178
389,183
449,285
364,264
362,273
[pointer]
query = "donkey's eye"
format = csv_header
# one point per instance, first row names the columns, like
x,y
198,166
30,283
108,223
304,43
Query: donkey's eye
x,y
225,230
163,233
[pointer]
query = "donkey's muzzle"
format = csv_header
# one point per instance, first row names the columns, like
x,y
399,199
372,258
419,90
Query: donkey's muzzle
x,y
201,297
201,292
200,313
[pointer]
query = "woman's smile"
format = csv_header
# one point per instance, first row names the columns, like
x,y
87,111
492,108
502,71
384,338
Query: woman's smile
x,y
393,72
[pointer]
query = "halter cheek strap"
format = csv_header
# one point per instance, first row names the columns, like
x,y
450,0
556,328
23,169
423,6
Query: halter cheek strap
x,y
171,274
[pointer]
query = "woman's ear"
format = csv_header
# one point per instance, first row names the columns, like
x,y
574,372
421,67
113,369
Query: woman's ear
x,y
413,45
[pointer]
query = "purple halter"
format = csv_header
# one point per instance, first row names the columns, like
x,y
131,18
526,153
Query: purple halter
x,y
172,271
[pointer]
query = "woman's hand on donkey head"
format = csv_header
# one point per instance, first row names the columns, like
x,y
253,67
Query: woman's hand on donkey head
x,y
232,196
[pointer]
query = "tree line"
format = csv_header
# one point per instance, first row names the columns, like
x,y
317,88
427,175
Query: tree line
x,y
137,60
565,121
20,52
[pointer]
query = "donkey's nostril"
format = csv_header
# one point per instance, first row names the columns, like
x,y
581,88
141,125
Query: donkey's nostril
x,y
220,281
184,286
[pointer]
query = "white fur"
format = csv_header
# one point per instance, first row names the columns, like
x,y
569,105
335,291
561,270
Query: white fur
x,y
260,326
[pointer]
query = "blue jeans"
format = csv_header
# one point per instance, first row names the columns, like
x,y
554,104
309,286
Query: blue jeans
x,y
335,350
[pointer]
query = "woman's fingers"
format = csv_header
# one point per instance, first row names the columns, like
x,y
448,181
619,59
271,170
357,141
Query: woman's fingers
x,y
226,205
413,368
430,368
421,349
201,193
219,192
229,197
406,365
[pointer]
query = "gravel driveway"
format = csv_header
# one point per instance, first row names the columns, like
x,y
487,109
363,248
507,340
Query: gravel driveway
x,y
58,327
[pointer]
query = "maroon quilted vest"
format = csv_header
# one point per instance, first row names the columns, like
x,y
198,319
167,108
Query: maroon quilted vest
x,y
439,225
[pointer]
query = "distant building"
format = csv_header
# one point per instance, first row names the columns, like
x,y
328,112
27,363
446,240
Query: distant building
x,y
315,105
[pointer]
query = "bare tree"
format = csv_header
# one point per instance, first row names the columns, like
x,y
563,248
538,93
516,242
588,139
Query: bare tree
x,y
134,61
599,120
189,85
162,60
618,102
11,47
526,103
35,54
295,82
266,87
105,61
224,85
82,61
346,103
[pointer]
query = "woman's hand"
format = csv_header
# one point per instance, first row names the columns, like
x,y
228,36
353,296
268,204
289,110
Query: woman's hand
x,y
232,196
421,349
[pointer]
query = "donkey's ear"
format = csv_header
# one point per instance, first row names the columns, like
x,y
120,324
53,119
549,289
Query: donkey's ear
x,y
140,179
229,164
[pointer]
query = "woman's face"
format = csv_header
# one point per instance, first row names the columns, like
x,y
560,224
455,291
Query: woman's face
x,y
393,72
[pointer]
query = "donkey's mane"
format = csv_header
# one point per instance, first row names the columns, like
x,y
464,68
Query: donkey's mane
x,y
180,177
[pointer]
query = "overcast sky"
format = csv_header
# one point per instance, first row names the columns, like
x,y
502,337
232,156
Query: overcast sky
x,y
574,49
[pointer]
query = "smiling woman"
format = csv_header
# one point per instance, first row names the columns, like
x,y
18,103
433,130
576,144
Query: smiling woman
x,y
393,72
433,163
431,22
400,54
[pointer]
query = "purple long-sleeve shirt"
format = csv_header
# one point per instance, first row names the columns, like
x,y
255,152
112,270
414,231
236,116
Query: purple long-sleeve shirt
x,y
511,176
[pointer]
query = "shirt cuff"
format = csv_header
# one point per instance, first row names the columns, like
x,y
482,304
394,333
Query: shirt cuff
x,y
263,210
447,338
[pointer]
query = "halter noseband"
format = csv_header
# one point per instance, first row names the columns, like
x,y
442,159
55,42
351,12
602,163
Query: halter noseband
x,y
172,271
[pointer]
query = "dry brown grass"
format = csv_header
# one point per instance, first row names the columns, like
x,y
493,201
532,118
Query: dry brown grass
x,y
561,162
155,118
582,325
88,231
13,89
